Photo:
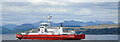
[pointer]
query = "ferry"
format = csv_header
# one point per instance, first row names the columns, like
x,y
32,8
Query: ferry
x,y
50,33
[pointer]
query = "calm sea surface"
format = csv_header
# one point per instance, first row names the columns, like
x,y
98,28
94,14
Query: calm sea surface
x,y
87,37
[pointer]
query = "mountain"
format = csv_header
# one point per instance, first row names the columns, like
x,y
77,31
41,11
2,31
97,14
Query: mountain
x,y
92,30
0,29
25,27
37,24
73,23
7,31
104,22
91,23
101,26
10,26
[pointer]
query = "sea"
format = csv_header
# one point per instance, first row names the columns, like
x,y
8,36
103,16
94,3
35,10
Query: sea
x,y
87,37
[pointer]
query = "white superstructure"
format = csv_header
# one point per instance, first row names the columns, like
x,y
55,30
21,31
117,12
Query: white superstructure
x,y
46,29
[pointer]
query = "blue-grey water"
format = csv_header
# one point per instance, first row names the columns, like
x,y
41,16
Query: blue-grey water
x,y
87,37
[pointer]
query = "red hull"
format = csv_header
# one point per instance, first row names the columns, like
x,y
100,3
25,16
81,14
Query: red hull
x,y
52,37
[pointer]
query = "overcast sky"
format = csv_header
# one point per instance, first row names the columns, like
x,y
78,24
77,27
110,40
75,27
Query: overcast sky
x,y
61,0
31,12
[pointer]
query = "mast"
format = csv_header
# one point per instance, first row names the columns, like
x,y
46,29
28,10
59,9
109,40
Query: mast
x,y
49,19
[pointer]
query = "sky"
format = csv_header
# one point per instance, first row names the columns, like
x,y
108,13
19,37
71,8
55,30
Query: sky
x,y
32,12
60,0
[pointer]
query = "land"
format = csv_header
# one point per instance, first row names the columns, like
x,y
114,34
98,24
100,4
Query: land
x,y
79,26
92,30
102,26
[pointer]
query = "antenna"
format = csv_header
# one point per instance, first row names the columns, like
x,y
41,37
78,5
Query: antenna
x,y
49,19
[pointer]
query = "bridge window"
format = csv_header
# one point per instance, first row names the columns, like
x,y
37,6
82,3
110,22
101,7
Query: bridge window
x,y
41,27
44,25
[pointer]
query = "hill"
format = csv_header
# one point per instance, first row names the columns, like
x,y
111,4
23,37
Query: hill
x,y
73,23
25,27
98,30
102,26
66,24
98,26
10,26
7,31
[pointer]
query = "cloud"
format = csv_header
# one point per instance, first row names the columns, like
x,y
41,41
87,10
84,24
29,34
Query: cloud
x,y
83,11
10,22
27,12
61,1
